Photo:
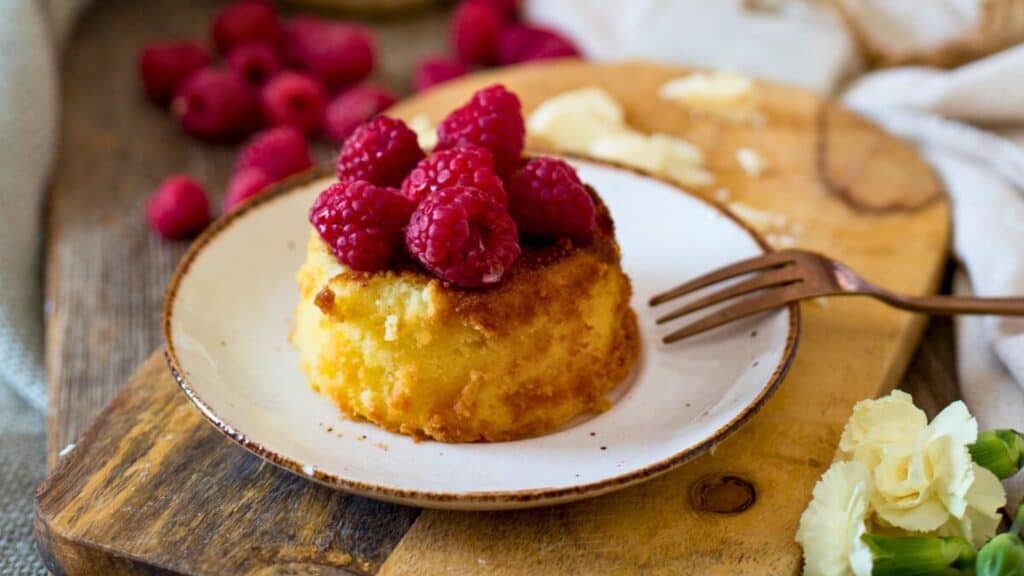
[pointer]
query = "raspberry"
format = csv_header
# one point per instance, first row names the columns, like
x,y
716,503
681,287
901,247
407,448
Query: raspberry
x,y
164,66
244,22
361,223
474,31
256,62
436,69
178,208
470,166
547,200
294,99
278,152
382,152
244,185
338,54
353,107
522,43
216,105
464,237
509,9
493,119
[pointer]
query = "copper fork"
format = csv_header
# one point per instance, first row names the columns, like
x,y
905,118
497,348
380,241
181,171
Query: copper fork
x,y
780,278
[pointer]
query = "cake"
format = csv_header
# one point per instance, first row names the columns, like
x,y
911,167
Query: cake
x,y
533,332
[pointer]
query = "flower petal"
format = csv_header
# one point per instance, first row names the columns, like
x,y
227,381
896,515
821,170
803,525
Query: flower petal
x,y
834,520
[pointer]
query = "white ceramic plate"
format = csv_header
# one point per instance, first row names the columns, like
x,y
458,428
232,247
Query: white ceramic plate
x,y
228,315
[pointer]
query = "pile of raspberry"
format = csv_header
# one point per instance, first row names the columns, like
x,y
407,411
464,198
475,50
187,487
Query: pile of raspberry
x,y
462,212
287,81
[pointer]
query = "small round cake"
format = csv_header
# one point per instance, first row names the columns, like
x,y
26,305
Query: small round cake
x,y
465,295
415,355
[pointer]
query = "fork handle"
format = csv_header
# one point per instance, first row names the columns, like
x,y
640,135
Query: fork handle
x,y
949,305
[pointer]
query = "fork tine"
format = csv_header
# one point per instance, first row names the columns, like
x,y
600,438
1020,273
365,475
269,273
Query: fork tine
x,y
769,260
771,298
772,278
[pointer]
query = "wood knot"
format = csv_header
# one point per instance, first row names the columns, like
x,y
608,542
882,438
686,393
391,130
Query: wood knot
x,y
722,494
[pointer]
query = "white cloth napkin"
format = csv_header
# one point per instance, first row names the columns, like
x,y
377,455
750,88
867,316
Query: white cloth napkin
x,y
983,171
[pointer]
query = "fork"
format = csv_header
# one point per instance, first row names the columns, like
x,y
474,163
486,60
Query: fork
x,y
780,278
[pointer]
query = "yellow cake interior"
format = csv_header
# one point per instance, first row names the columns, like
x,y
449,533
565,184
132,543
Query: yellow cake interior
x,y
416,355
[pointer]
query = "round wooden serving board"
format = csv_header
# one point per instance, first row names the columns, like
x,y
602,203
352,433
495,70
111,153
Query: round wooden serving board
x,y
152,487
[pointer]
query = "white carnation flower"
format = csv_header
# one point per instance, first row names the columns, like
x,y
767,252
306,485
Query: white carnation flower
x,y
922,474
833,523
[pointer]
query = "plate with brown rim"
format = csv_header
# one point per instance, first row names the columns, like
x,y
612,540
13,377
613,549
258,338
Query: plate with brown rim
x,y
227,318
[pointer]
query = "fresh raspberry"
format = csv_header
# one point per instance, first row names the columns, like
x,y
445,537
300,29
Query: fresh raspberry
x,y
547,200
353,107
361,223
493,119
435,70
470,166
523,43
474,31
382,152
244,22
338,54
509,9
216,105
255,61
244,185
464,237
178,208
294,99
278,152
163,66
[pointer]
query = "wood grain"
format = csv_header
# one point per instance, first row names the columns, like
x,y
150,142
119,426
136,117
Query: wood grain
x,y
106,271
858,195
731,511
154,484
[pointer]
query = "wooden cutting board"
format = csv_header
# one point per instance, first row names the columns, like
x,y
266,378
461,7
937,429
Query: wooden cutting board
x,y
151,488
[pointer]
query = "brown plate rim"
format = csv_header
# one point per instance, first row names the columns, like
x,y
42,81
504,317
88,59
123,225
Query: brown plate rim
x,y
499,499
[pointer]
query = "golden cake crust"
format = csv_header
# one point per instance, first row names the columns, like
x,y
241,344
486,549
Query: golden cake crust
x,y
416,355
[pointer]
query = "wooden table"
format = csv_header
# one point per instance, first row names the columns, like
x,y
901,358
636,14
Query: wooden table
x,y
106,271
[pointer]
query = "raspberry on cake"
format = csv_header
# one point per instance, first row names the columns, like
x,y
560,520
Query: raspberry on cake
x,y
471,166
382,152
462,332
493,119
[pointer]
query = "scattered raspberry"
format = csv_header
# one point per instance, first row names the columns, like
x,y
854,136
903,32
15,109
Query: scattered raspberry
x,y
216,105
493,119
294,99
464,237
382,152
523,43
244,22
178,208
509,9
361,223
164,66
547,200
353,107
474,31
435,70
338,54
470,166
278,152
245,184
256,62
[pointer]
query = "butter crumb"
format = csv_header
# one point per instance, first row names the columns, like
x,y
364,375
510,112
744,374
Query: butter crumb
x,y
753,163
724,94
722,195
426,131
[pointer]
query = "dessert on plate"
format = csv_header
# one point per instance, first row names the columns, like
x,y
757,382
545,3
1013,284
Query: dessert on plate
x,y
469,295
